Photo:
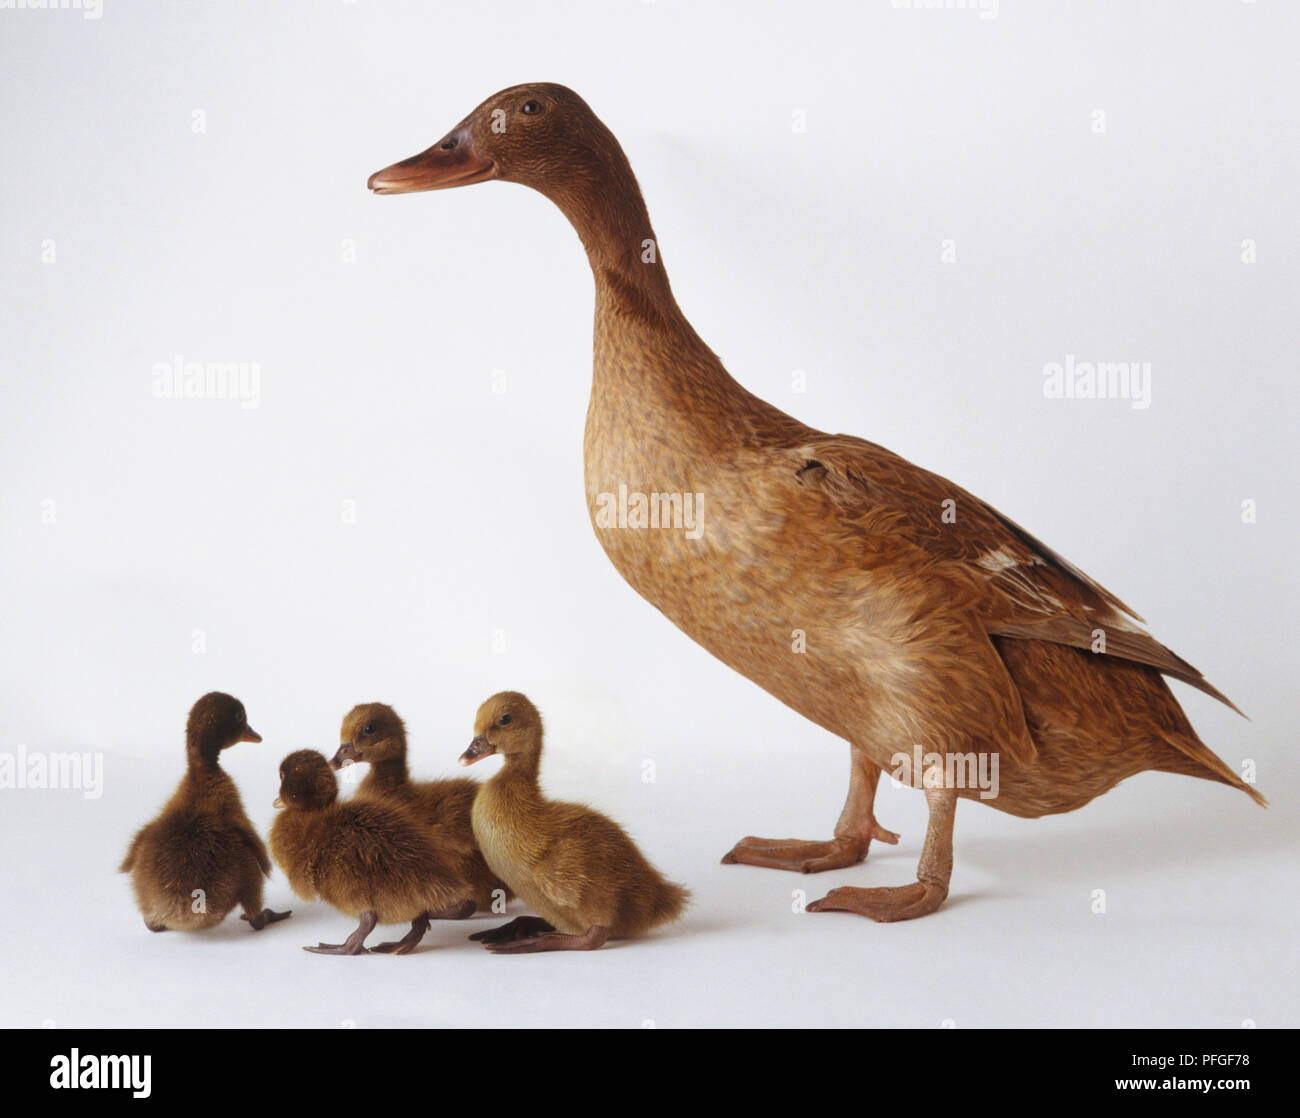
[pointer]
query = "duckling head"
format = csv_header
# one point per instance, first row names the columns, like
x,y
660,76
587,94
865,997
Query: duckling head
x,y
216,722
507,723
371,732
539,134
307,782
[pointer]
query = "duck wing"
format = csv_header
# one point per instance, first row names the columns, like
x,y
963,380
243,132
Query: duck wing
x,y
1018,586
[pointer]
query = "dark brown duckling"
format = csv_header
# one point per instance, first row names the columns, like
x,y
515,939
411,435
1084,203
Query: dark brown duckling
x,y
372,733
369,859
201,856
576,868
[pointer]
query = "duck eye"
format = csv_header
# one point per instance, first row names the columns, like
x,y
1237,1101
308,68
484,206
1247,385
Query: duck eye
x,y
448,143
504,720
368,728
531,107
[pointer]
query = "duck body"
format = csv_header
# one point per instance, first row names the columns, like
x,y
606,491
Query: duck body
x,y
874,597
373,733
371,860
201,856
574,867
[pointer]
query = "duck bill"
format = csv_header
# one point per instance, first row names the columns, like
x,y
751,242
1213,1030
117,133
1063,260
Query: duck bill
x,y
277,803
439,168
347,755
479,748
250,734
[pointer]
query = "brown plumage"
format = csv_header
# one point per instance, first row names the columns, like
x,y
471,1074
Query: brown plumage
x,y
369,859
877,599
574,867
201,856
372,733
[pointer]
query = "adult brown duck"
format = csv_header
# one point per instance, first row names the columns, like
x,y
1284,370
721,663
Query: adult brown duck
x,y
879,600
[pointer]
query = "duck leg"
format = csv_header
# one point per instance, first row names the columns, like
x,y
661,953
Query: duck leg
x,y
923,896
260,920
589,940
354,944
408,942
856,828
521,927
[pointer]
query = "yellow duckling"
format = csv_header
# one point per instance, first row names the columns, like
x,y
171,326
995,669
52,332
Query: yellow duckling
x,y
573,866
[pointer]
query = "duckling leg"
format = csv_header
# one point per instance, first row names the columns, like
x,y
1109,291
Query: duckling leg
x,y
408,942
923,896
354,944
521,927
592,938
856,828
260,920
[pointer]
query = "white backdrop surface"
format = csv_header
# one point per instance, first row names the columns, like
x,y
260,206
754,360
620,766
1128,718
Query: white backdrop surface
x,y
188,183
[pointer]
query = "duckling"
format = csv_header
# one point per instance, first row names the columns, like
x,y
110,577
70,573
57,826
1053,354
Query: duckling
x,y
373,733
201,856
369,859
575,867
884,603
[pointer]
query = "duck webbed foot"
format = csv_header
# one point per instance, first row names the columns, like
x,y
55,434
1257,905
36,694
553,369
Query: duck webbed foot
x,y
592,938
856,828
521,927
259,920
804,855
903,902
923,896
354,944
408,942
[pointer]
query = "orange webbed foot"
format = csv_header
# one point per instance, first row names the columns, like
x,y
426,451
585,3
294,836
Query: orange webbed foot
x,y
886,905
806,856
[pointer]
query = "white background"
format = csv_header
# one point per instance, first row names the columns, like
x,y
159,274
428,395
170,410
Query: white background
x,y
816,250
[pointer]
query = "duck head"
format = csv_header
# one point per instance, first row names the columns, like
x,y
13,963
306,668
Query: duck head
x,y
371,733
216,722
541,135
307,782
508,724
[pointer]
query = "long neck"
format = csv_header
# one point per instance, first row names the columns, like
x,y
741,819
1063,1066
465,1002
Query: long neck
x,y
386,775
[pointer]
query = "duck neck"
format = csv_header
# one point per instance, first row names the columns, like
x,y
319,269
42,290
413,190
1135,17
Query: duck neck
x,y
386,775
604,204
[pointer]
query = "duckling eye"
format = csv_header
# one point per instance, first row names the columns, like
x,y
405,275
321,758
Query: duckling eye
x,y
531,107
504,720
368,728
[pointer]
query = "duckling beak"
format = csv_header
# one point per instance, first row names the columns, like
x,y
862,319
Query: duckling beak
x,y
347,755
452,161
277,802
479,748
250,734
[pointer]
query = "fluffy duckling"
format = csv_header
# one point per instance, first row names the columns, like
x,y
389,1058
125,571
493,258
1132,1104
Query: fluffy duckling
x,y
368,859
201,856
372,733
573,866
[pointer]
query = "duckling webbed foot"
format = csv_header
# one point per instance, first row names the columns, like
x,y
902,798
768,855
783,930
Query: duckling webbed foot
x,y
408,942
259,920
521,927
856,828
354,944
592,938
